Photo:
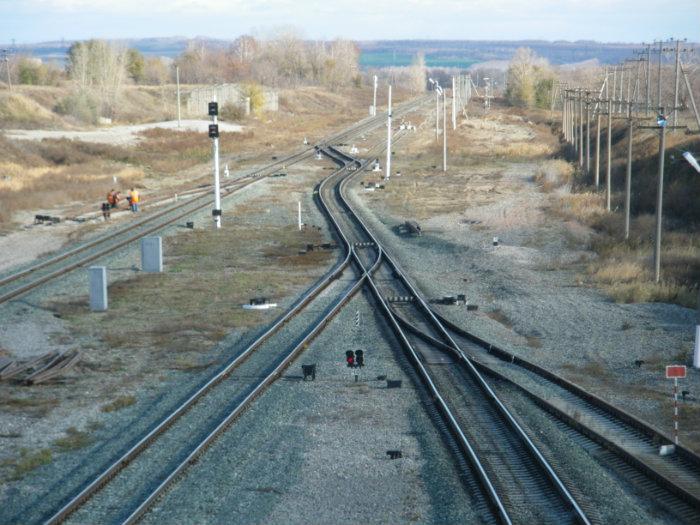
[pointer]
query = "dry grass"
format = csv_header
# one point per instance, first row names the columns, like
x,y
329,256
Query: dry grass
x,y
208,276
119,403
553,174
27,461
73,440
500,317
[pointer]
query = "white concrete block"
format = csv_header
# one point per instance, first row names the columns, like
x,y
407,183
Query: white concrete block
x,y
152,254
98,288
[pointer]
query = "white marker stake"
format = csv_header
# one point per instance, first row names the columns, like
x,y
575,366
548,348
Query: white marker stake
x,y
388,137
454,106
299,214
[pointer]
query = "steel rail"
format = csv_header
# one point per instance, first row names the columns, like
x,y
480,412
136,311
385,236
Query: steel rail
x,y
88,491
335,154
490,394
360,127
77,501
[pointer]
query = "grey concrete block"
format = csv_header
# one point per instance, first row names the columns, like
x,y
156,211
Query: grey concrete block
x,y
98,288
152,254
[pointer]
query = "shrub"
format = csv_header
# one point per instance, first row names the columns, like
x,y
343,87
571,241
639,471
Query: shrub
x,y
80,106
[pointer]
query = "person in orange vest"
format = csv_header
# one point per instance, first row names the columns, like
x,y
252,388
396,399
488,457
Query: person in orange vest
x,y
134,199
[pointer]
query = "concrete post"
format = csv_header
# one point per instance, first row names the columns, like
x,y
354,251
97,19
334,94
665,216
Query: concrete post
x,y
152,254
659,203
628,174
597,151
98,288
696,352
247,106
608,173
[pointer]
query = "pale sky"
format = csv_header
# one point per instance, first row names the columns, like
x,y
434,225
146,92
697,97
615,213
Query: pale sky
x,y
30,21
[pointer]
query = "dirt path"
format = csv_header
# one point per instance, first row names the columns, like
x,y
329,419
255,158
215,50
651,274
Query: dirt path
x,y
118,135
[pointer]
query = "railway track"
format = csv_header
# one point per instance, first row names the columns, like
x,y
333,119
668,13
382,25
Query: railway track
x,y
115,492
519,484
630,438
23,281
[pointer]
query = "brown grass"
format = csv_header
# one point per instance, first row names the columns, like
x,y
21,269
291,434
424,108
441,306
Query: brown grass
x,y
73,440
27,461
119,403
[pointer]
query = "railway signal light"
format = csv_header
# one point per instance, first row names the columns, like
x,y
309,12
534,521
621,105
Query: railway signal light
x,y
359,358
213,109
213,131
350,358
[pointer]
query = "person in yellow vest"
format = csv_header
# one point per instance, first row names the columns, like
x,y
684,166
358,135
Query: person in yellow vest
x,y
134,200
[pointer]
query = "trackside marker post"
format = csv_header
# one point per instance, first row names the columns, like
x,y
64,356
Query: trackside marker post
x,y
675,372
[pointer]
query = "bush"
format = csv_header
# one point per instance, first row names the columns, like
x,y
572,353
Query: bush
x,y
232,112
257,97
80,106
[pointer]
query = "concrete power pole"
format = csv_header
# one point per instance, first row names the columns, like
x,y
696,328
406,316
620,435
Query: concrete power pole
x,y
177,80
608,173
659,198
675,84
454,106
628,174
374,98
388,137
444,131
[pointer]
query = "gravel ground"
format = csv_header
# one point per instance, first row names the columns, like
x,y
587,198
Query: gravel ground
x,y
118,135
316,451
157,391
549,317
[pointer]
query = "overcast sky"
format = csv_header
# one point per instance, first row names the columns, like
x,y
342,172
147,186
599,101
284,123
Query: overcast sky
x,y
30,21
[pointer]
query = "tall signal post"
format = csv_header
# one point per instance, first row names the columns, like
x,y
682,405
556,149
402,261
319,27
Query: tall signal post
x,y
388,137
214,135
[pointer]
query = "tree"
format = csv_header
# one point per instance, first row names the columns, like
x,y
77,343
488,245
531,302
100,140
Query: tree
x,y
416,74
530,80
135,65
98,69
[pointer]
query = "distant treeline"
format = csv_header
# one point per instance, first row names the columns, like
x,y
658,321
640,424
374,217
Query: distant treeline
x,y
384,53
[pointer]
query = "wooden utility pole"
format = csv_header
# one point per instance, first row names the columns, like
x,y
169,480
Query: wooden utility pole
x,y
628,175
608,173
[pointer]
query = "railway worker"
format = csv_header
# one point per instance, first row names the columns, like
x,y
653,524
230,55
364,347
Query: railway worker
x,y
112,198
106,213
133,197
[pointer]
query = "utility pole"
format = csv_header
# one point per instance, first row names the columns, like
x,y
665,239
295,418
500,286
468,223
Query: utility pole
x,y
658,92
437,112
177,80
6,59
454,106
675,84
214,134
628,175
588,133
388,137
660,195
608,174
648,79
574,124
580,128
374,98
444,130
597,148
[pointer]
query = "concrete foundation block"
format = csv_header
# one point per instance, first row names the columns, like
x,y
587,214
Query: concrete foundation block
x,y
152,254
98,288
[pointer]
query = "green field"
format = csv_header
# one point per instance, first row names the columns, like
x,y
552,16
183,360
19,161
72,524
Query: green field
x,y
369,59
